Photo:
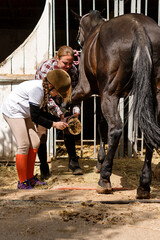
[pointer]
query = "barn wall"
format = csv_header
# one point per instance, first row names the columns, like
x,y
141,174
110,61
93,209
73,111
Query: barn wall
x,y
20,66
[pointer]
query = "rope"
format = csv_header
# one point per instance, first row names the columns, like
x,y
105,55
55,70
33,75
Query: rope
x,y
89,188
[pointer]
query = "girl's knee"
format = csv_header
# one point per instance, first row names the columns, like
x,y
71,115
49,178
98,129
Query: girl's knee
x,y
36,143
23,148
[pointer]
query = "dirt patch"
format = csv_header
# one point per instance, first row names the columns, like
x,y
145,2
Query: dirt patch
x,y
69,207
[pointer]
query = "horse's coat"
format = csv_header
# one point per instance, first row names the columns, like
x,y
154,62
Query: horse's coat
x,y
121,57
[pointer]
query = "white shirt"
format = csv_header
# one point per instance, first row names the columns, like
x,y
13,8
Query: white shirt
x,y
16,105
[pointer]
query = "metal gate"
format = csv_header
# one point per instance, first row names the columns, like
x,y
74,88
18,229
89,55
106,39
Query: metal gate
x,y
113,8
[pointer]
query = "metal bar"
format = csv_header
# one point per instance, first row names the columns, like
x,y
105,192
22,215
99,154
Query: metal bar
x,y
116,8
138,6
54,28
54,141
82,129
119,151
133,6
67,24
121,7
135,138
146,7
51,149
88,140
121,112
50,18
130,126
59,140
107,9
95,126
80,7
159,12
94,5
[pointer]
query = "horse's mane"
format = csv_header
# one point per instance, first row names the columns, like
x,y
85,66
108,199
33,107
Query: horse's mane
x,y
95,14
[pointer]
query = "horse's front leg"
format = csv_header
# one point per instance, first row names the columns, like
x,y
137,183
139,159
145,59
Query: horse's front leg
x,y
143,191
110,112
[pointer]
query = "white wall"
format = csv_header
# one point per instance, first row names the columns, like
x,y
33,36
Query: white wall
x,y
21,65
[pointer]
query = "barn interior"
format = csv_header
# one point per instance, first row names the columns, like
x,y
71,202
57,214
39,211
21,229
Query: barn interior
x,y
18,19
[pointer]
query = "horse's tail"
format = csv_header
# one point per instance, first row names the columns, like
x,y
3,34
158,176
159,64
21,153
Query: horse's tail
x,y
143,88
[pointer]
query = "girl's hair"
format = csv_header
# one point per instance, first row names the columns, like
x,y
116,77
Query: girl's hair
x,y
65,51
45,85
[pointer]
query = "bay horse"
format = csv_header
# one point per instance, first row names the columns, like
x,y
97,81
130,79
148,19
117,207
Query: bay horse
x,y
119,58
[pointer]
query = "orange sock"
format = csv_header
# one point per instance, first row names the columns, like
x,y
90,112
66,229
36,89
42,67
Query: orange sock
x,y
21,165
31,162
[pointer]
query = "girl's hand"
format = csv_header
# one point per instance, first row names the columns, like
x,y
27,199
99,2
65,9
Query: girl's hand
x,y
60,125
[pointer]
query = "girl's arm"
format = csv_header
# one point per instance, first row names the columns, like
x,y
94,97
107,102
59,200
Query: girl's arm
x,y
37,118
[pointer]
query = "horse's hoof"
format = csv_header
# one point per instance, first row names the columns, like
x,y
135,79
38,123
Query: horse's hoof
x,y
143,196
142,193
104,190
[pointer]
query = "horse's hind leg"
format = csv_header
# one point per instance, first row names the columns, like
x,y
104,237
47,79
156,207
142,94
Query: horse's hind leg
x,y
102,128
109,108
143,191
